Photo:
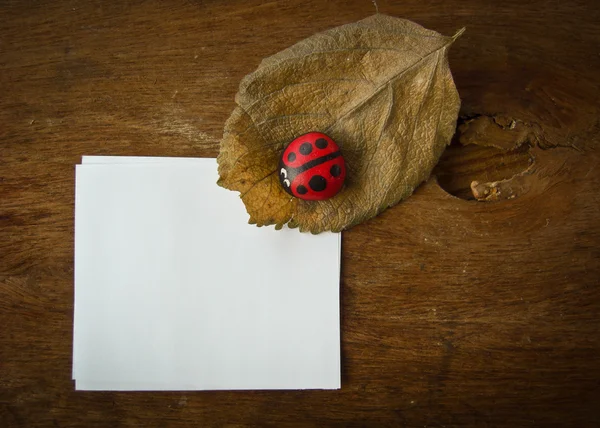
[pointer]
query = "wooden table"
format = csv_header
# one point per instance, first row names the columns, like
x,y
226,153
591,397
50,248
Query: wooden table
x,y
455,312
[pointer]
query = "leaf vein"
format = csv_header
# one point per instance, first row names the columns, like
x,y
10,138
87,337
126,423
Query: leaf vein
x,y
381,86
308,82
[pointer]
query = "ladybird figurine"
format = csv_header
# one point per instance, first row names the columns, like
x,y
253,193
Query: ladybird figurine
x,y
312,167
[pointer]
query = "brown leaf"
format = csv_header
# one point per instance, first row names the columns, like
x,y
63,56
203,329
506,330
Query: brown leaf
x,y
380,87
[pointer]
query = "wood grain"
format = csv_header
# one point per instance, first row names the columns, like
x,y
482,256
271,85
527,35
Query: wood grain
x,y
455,312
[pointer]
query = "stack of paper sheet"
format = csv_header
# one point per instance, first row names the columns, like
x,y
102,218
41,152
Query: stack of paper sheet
x,y
175,291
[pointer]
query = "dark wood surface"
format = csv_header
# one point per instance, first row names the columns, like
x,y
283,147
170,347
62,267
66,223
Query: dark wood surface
x,y
455,312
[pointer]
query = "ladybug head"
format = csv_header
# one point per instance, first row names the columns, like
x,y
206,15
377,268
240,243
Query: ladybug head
x,y
283,177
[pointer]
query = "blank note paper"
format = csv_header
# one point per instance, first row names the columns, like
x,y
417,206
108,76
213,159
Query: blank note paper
x,y
175,291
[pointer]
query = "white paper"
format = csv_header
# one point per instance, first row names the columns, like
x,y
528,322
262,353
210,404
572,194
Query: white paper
x,y
130,160
175,291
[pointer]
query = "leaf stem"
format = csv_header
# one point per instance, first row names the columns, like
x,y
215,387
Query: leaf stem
x,y
458,33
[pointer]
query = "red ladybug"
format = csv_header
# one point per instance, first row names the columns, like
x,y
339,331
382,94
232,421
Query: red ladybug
x,y
312,167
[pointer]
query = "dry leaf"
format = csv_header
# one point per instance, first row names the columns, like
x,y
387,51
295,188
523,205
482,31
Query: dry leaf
x,y
380,87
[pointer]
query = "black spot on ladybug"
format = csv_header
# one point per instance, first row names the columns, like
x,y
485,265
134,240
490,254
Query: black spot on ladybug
x,y
292,157
305,148
335,170
317,183
321,143
301,190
